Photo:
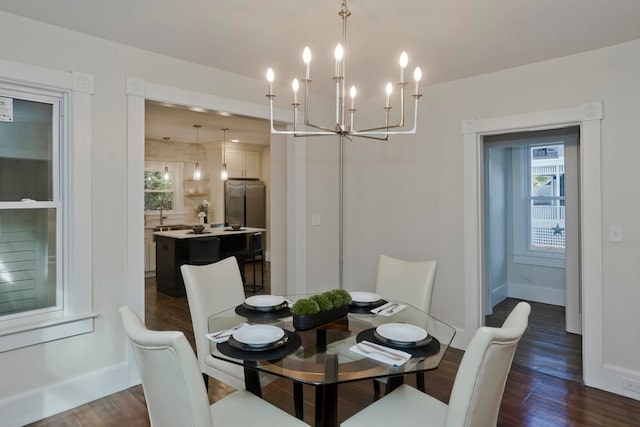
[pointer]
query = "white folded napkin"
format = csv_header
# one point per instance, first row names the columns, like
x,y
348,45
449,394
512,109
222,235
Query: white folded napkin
x,y
383,354
223,335
389,309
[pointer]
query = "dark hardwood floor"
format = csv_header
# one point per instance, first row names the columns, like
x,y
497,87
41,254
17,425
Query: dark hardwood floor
x,y
544,387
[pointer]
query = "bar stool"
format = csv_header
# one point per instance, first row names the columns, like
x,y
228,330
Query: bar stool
x,y
252,254
204,250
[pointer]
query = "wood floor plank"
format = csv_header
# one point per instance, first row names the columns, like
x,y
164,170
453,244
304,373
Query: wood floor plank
x,y
544,387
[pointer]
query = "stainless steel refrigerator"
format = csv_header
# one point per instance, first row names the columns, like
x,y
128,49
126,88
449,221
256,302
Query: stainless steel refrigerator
x,y
245,203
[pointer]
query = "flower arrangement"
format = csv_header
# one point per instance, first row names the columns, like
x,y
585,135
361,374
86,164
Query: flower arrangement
x,y
203,208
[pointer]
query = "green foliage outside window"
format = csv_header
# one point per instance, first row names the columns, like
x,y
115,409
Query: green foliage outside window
x,y
158,193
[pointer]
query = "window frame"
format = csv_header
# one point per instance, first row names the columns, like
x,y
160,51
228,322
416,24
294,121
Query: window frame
x,y
57,101
522,252
530,198
75,317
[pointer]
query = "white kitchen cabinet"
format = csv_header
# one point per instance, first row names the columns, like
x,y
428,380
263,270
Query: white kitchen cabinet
x,y
243,164
149,253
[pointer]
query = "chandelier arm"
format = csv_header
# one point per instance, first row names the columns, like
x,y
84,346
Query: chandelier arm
x,y
372,131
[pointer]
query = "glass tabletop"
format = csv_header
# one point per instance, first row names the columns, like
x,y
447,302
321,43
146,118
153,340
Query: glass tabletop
x,y
323,355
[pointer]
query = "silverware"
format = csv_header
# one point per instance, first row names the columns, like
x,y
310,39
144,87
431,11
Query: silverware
x,y
226,332
387,307
375,349
391,307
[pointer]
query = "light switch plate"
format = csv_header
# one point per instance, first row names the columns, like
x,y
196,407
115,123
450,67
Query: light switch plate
x,y
315,219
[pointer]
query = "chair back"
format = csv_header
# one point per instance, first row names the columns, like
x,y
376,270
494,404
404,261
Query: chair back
x,y
204,250
410,281
210,289
479,384
171,380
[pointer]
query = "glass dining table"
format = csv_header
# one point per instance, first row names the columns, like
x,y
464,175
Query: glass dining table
x,y
331,353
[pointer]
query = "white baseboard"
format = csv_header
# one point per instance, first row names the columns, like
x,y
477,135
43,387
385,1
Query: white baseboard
x,y
41,403
612,379
537,294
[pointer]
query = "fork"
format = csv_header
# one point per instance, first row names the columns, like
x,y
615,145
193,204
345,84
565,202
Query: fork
x,y
226,332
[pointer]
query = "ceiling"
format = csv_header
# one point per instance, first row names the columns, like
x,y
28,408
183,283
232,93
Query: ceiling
x,y
177,123
449,39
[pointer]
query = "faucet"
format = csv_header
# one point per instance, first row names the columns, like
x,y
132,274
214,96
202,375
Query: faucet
x,y
161,207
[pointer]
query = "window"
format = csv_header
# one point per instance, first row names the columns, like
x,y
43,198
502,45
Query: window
x,y
159,191
30,205
45,193
546,207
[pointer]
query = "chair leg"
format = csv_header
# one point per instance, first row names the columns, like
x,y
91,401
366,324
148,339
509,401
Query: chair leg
x,y
254,274
298,400
206,381
420,381
376,390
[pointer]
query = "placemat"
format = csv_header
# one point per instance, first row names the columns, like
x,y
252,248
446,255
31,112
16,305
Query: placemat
x,y
366,309
292,345
241,310
422,351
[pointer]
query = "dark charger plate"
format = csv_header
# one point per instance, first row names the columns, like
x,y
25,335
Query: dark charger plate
x,y
365,307
292,343
432,347
278,312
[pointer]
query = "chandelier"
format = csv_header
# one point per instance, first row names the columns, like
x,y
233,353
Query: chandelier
x,y
344,117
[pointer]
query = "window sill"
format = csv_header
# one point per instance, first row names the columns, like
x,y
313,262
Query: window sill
x,y
543,261
26,332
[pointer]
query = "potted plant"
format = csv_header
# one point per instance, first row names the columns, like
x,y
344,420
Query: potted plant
x,y
319,309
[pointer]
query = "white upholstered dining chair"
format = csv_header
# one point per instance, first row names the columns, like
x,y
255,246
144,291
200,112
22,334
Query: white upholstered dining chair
x,y
211,289
477,390
409,281
173,388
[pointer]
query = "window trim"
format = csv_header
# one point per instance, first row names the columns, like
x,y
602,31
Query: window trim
x,y
76,316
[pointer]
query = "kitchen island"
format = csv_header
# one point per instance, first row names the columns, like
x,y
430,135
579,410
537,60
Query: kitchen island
x,y
172,250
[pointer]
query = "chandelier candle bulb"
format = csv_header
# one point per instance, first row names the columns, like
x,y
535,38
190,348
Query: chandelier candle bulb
x,y
270,78
339,52
306,57
295,86
404,60
417,75
389,89
352,93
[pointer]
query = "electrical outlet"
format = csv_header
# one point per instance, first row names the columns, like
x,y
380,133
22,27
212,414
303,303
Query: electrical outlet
x,y
615,233
631,384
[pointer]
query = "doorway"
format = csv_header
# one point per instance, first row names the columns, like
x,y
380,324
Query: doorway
x,y
531,220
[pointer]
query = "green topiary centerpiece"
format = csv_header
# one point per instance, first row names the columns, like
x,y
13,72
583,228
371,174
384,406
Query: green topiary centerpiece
x,y
319,309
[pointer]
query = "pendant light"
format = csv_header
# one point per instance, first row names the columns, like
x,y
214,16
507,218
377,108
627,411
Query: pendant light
x,y
166,165
196,171
224,175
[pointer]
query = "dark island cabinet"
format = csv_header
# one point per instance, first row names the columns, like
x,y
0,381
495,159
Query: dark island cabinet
x,y
170,255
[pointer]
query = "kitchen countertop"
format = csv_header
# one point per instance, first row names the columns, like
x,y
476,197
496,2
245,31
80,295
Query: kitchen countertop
x,y
219,231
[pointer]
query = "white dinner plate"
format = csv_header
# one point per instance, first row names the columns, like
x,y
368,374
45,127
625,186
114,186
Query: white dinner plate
x,y
364,297
258,335
401,332
264,301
